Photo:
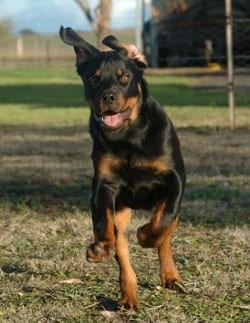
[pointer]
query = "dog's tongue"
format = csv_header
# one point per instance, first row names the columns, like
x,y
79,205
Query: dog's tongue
x,y
112,120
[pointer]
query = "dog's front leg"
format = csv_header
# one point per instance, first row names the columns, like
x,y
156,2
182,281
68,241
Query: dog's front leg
x,y
128,283
102,208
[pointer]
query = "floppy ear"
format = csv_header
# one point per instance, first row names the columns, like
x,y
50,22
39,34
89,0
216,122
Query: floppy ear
x,y
130,50
84,51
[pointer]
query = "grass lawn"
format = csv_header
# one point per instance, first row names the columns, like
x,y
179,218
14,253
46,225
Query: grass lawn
x,y
45,223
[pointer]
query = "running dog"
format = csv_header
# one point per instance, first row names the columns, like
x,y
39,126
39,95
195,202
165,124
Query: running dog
x,y
136,157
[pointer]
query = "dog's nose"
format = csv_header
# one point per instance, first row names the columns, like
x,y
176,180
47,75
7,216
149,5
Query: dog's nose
x,y
109,98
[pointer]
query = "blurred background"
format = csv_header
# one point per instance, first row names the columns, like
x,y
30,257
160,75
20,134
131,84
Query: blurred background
x,y
171,33
29,29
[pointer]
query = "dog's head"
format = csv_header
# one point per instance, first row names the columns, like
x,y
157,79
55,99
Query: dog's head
x,y
112,79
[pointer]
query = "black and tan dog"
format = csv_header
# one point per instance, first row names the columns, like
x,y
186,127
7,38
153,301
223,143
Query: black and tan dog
x,y
136,156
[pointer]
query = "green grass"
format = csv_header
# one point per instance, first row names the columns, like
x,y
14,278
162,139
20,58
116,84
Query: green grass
x,y
55,92
45,221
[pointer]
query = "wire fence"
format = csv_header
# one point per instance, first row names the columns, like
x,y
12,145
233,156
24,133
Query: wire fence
x,y
170,43
45,50
181,43
241,44
195,43
30,50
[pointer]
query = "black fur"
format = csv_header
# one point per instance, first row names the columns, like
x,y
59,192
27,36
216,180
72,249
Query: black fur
x,y
136,153
151,135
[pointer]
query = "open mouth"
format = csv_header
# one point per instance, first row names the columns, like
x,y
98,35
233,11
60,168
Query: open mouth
x,y
113,119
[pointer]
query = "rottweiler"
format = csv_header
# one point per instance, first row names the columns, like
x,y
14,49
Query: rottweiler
x,y
136,157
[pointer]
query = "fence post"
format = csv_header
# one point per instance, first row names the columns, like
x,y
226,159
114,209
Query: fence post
x,y
19,46
47,48
139,22
230,67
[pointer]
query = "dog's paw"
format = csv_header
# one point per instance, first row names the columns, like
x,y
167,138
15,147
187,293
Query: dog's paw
x,y
128,304
99,252
173,282
176,286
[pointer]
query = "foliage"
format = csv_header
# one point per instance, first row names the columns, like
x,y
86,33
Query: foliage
x,y
27,32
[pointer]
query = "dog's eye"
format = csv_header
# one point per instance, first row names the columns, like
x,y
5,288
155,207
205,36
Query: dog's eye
x,y
94,81
124,79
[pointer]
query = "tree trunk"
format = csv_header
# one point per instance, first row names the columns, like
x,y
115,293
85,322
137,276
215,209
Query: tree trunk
x,y
103,16
83,4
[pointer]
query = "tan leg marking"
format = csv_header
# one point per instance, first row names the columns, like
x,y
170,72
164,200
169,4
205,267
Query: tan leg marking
x,y
128,282
151,234
168,271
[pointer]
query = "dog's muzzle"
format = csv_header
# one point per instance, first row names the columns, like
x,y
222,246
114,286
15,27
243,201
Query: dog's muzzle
x,y
111,119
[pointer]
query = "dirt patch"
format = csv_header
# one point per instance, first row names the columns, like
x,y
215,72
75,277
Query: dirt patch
x,y
219,81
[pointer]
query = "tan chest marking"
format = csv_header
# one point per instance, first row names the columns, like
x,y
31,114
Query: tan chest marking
x,y
109,163
158,164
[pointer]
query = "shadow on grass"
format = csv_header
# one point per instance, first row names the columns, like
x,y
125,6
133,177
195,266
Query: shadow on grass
x,y
46,168
68,95
48,95
42,196
107,303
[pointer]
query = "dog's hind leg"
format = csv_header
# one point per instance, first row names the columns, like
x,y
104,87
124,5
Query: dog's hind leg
x,y
153,233
128,282
150,236
168,271
157,234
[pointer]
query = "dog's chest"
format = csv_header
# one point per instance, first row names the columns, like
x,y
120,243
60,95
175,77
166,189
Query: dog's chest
x,y
139,180
133,166
144,182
